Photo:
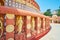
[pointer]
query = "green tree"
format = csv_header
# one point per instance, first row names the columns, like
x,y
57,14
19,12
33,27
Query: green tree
x,y
58,12
48,12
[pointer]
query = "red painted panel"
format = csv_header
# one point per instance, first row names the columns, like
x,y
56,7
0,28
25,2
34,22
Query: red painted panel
x,y
10,21
9,35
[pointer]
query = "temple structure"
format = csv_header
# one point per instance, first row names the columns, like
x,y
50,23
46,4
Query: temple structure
x,y
22,20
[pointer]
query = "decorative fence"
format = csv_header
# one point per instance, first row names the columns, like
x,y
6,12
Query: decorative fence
x,y
16,24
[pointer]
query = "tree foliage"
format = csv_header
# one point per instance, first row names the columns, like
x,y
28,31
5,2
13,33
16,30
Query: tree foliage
x,y
58,12
48,12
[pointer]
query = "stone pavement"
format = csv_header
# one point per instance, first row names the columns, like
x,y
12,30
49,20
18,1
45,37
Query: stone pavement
x,y
54,33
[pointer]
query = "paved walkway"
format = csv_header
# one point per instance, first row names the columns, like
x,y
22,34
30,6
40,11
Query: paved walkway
x,y
54,33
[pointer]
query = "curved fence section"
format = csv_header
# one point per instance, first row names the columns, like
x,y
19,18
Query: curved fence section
x,y
16,24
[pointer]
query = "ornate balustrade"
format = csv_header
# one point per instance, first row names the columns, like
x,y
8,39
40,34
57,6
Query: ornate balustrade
x,y
17,24
30,3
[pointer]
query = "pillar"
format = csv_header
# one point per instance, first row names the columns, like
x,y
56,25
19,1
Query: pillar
x,y
10,22
38,27
19,24
28,27
47,23
44,24
41,29
33,26
20,28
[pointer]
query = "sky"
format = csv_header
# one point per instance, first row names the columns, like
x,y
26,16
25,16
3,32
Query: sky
x,y
48,4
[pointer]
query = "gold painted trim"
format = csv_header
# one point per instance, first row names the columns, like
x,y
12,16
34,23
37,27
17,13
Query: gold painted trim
x,y
10,16
9,28
27,3
28,17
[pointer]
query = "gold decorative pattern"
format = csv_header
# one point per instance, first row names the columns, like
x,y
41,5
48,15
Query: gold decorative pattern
x,y
11,39
18,1
10,16
39,23
9,28
24,2
28,26
33,24
28,17
27,3
1,28
19,23
1,24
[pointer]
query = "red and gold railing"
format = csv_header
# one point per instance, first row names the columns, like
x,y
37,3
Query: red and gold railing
x,y
17,24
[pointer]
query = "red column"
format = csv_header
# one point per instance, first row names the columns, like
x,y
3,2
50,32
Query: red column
x,y
47,23
33,26
44,24
38,23
10,22
41,30
28,27
20,23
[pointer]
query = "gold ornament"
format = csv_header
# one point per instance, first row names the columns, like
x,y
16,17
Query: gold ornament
x,y
10,16
19,28
10,28
0,24
1,28
19,23
28,26
33,23
28,17
10,39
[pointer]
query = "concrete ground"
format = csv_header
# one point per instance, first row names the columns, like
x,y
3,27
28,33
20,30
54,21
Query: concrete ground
x,y
53,34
